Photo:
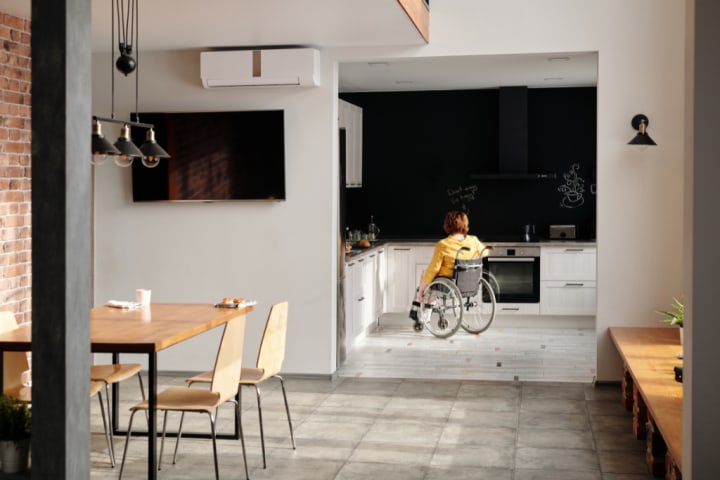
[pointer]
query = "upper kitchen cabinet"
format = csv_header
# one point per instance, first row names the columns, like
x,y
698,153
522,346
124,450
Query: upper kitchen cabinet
x,y
351,119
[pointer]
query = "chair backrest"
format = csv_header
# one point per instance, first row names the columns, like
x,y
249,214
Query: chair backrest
x,y
228,363
7,321
14,363
272,346
467,276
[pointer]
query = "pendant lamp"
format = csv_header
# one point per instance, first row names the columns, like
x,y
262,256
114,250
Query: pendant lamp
x,y
124,151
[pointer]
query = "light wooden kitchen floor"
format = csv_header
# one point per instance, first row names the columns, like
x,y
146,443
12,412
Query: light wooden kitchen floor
x,y
395,350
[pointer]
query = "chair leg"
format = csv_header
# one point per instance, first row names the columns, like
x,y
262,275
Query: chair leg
x,y
287,409
107,432
262,433
127,440
142,394
212,434
242,439
177,441
112,441
162,441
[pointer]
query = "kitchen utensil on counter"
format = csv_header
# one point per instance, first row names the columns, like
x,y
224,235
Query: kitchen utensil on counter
x,y
562,232
373,230
528,232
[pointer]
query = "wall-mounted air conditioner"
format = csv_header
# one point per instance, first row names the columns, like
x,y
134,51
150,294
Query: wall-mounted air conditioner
x,y
265,67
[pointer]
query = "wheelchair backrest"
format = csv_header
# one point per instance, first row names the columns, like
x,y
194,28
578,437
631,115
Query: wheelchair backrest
x,y
467,276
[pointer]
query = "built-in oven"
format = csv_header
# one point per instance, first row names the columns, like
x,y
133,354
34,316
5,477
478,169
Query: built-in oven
x,y
514,273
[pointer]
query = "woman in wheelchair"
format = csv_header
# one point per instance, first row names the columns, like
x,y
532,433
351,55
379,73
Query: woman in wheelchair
x,y
452,292
442,264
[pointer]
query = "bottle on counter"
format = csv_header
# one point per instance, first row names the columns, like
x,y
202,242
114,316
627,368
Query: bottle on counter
x,y
373,230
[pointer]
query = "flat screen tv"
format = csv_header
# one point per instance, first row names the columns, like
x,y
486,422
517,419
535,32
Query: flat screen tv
x,y
215,156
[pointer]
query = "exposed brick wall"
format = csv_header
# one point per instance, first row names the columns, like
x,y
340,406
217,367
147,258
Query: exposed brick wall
x,y
15,168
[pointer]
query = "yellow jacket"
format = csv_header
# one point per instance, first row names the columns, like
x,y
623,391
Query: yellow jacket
x,y
443,259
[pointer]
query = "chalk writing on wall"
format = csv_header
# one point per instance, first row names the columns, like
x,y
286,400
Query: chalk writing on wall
x,y
462,195
573,188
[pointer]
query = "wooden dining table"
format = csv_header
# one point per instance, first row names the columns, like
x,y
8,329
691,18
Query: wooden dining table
x,y
147,330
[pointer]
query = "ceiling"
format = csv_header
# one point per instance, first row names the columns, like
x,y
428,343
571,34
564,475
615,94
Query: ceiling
x,y
331,23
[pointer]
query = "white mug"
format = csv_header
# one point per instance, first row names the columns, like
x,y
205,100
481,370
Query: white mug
x,y
142,296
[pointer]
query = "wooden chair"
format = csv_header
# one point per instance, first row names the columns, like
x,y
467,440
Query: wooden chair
x,y
269,363
96,389
223,387
15,363
107,374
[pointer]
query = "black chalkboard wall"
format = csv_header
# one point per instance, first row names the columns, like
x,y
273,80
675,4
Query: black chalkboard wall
x,y
421,148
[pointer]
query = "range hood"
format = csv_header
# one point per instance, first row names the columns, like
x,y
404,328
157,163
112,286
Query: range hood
x,y
513,138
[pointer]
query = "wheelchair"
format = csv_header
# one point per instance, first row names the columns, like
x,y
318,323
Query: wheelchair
x,y
466,300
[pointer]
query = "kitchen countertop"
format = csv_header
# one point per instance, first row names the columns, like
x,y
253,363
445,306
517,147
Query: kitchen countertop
x,y
358,252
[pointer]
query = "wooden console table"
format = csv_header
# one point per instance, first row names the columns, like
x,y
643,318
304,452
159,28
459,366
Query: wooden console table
x,y
649,388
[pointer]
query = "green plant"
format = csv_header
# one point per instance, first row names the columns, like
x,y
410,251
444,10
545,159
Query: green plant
x,y
676,314
15,417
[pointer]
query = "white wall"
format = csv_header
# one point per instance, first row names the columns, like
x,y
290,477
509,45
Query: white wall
x,y
288,250
266,251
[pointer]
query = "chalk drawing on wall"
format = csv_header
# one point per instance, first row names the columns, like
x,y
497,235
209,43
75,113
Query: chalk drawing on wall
x,y
462,195
573,188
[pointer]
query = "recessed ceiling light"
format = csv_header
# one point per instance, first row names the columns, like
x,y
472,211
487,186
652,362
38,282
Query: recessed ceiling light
x,y
558,59
553,79
404,82
378,64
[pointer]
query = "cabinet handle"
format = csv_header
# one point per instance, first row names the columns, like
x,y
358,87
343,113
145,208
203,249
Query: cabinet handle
x,y
401,249
574,249
381,252
361,299
372,256
574,284
351,264
361,260
512,309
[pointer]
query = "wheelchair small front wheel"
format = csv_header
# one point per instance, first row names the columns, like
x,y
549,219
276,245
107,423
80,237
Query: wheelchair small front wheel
x,y
441,309
478,316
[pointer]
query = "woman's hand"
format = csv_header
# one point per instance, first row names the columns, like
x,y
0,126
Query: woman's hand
x,y
420,291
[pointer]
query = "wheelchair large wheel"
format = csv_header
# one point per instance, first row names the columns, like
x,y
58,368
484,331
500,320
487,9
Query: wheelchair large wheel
x,y
478,316
441,310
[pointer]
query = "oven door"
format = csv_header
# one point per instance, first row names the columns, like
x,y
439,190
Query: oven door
x,y
516,279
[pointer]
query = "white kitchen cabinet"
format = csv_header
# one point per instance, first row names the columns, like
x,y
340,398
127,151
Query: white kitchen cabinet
x,y
568,263
350,117
568,280
380,282
399,289
363,294
366,297
405,267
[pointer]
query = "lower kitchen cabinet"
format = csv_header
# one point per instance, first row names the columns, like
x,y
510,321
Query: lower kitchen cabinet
x,y
364,291
405,266
568,298
568,280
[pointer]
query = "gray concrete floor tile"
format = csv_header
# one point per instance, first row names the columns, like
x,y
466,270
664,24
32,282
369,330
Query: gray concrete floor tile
x,y
554,420
417,428
524,474
555,438
473,456
373,471
469,473
557,459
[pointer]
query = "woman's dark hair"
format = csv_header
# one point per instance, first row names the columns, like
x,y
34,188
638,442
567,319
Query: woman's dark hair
x,y
456,222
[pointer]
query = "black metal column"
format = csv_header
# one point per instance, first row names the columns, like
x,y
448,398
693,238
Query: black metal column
x,y
61,234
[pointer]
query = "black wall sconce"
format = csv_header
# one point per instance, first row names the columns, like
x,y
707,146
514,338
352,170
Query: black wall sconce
x,y
640,122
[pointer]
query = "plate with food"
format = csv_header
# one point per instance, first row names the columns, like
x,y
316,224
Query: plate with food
x,y
235,302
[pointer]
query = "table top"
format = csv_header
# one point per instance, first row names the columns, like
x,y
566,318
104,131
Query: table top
x,y
650,355
143,330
